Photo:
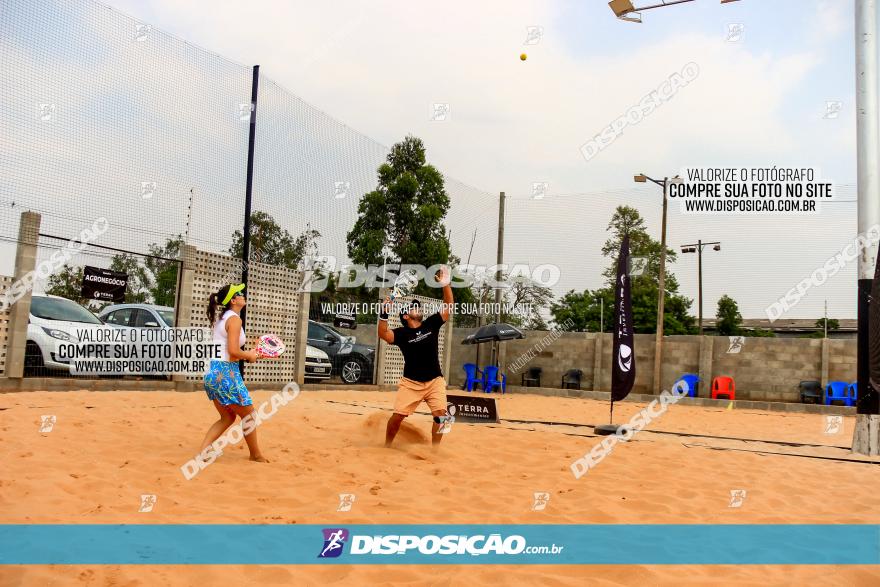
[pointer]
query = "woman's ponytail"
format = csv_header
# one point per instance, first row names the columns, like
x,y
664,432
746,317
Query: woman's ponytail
x,y
212,309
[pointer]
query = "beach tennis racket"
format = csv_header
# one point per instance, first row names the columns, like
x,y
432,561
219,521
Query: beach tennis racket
x,y
270,346
405,283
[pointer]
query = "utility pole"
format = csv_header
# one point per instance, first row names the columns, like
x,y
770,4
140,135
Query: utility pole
x,y
496,347
866,437
826,318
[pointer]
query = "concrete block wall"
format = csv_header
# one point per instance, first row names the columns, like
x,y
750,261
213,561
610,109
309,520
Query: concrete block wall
x,y
765,369
769,368
841,360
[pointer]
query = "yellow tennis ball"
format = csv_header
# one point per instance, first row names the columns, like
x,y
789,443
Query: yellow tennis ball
x,y
523,57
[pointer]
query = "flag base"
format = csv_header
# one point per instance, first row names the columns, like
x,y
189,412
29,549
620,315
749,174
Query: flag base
x,y
606,429
866,436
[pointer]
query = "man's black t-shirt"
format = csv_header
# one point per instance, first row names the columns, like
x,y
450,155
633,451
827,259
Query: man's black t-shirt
x,y
420,347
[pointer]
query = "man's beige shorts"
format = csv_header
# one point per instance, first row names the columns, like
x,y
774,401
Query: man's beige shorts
x,y
411,393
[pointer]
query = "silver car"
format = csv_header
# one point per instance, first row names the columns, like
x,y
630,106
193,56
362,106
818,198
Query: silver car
x,y
138,316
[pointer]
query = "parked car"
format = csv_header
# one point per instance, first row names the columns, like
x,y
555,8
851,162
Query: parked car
x,y
138,316
318,366
351,361
54,321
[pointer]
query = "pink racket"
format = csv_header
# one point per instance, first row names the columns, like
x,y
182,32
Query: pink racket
x,y
270,346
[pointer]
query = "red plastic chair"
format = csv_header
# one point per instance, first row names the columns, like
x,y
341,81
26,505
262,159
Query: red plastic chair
x,y
723,386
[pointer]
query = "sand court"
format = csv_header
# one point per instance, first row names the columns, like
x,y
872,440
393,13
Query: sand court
x,y
108,449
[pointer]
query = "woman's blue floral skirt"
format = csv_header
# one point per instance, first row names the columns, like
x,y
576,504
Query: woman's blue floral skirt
x,y
223,383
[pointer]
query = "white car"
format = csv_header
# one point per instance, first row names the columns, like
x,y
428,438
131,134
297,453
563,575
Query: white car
x,y
54,321
318,366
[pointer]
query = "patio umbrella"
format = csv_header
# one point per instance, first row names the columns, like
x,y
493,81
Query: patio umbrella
x,y
492,333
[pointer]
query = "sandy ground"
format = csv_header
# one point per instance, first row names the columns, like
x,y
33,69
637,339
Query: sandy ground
x,y
106,449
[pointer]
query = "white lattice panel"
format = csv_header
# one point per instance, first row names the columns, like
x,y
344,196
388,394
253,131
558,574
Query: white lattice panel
x,y
5,282
273,307
393,358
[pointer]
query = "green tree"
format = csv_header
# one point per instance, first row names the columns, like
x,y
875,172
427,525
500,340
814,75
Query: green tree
x,y
403,216
580,312
584,309
759,333
524,302
163,287
273,245
833,324
628,220
728,319
67,283
140,280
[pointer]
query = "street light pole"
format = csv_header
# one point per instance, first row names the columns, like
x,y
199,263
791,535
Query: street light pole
x,y
700,281
661,293
698,248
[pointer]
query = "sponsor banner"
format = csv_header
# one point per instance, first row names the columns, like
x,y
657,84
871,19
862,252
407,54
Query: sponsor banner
x,y
466,408
345,321
104,284
478,544
623,365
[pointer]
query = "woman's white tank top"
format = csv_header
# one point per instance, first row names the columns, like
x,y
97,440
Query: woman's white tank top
x,y
220,335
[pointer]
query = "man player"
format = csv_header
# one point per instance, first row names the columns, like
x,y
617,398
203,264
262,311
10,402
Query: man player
x,y
422,378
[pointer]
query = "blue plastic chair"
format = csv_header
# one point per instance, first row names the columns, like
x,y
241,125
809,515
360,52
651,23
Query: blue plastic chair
x,y
474,376
838,391
853,391
490,379
691,381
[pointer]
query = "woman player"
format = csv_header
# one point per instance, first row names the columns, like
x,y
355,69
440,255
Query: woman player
x,y
223,382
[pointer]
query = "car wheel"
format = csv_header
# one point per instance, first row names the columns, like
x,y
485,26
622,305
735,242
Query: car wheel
x,y
352,370
33,359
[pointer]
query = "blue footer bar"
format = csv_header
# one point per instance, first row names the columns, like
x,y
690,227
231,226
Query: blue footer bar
x,y
202,544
